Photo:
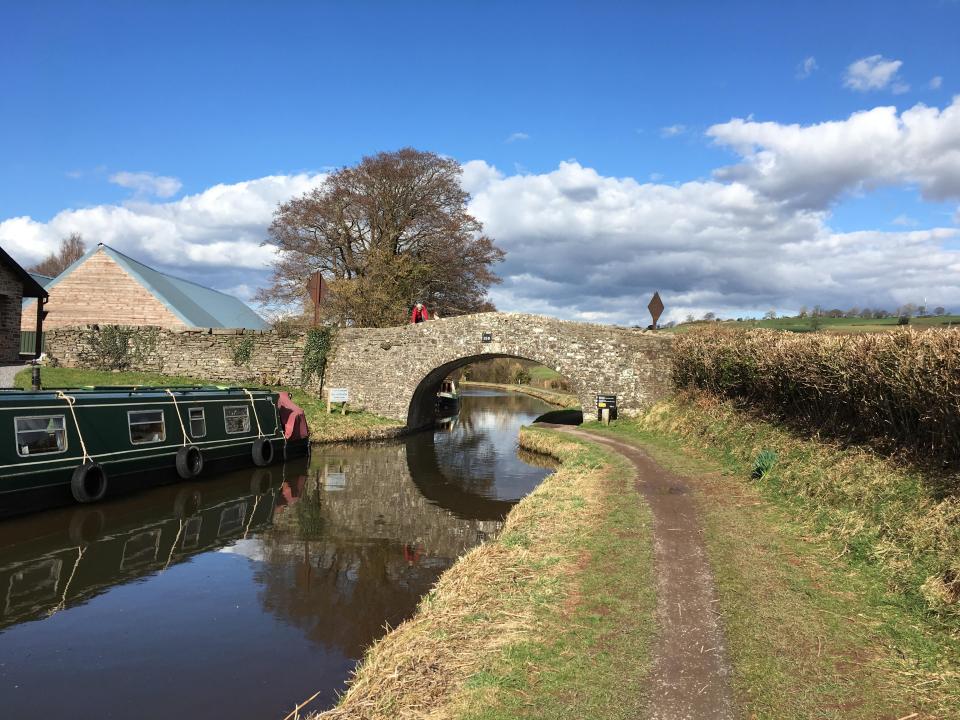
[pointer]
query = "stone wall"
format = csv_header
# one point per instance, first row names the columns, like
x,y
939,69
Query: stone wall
x,y
208,354
11,298
396,371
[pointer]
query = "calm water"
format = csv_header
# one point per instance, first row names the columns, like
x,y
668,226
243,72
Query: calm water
x,y
243,594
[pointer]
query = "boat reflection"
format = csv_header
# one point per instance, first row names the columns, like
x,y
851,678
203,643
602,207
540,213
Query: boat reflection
x,y
63,558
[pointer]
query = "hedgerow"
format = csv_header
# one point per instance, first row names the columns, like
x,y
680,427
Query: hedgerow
x,y
898,390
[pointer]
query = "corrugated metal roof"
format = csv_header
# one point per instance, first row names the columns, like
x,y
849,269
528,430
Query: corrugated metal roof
x,y
195,305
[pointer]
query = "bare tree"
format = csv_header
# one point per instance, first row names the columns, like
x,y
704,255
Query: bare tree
x,y
71,249
386,233
770,314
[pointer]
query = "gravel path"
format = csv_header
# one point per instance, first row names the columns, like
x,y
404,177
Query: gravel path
x,y
7,373
691,673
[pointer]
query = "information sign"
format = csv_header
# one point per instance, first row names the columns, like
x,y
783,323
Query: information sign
x,y
339,395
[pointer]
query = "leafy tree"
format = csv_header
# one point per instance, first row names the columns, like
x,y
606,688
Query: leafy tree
x,y
803,311
709,316
939,311
387,232
71,249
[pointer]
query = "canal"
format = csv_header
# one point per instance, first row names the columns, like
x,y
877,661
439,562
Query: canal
x,y
240,595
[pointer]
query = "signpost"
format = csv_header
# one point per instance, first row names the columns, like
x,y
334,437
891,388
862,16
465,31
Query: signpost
x,y
317,290
656,308
338,395
606,408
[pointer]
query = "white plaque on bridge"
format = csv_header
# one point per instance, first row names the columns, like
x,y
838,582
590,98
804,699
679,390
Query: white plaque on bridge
x,y
339,395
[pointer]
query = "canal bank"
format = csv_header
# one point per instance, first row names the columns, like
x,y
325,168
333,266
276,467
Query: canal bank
x,y
556,614
552,397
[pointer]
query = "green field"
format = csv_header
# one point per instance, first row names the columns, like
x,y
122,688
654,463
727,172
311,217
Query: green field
x,y
826,324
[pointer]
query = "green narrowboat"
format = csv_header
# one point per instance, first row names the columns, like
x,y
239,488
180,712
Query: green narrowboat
x,y
86,442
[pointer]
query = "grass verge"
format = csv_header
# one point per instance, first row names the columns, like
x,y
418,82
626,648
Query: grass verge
x,y
333,427
829,568
552,619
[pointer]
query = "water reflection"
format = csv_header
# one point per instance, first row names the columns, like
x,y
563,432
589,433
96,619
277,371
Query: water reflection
x,y
251,591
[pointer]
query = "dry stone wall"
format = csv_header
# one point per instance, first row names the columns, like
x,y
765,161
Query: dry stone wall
x,y
210,354
396,371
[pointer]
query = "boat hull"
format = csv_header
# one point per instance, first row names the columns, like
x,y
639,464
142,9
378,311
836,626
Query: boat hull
x,y
101,426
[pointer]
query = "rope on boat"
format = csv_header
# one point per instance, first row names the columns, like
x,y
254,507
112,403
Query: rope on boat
x,y
255,416
70,401
176,407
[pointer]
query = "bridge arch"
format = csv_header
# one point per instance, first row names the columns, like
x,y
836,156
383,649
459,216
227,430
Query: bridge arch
x,y
396,371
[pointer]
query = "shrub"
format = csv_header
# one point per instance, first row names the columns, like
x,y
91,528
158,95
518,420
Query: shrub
x,y
900,389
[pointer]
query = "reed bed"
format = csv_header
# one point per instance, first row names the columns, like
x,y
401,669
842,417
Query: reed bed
x,y
898,390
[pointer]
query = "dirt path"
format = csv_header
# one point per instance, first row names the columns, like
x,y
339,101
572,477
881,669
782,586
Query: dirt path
x,y
7,373
690,678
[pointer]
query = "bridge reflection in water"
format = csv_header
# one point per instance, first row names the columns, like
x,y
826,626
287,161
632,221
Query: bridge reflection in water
x,y
247,592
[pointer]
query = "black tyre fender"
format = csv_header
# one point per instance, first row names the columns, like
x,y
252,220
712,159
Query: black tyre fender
x,y
262,452
189,462
261,481
89,482
86,526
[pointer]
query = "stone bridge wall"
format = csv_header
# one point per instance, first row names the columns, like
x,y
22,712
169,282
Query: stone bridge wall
x,y
385,368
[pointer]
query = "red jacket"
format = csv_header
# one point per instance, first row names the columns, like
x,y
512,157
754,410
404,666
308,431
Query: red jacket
x,y
422,312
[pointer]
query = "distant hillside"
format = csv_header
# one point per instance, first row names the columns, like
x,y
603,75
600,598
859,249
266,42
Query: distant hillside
x,y
827,324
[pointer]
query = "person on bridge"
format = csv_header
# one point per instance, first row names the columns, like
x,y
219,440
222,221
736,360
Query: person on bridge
x,y
419,314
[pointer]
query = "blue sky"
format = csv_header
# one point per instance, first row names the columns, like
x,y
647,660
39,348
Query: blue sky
x,y
208,93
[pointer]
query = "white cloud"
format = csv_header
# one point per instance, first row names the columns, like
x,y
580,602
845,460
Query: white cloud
x,y
904,221
805,69
586,246
672,130
813,166
213,237
516,137
146,183
874,73
935,82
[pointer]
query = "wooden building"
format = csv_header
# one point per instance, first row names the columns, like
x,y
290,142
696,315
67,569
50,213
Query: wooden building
x,y
106,287
16,284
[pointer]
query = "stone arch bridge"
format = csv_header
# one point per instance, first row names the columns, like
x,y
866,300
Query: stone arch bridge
x,y
396,372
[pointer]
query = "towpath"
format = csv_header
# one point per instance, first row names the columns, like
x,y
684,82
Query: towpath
x,y
691,672
8,372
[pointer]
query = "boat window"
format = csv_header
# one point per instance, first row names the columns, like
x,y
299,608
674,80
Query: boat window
x,y
237,419
146,426
198,423
40,435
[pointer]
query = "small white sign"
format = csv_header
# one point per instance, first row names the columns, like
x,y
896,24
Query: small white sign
x,y
339,395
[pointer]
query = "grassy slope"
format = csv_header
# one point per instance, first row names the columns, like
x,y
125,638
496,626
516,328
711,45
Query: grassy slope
x,y
551,619
821,616
323,427
843,325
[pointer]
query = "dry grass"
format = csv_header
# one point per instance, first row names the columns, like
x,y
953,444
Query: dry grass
x,y
900,390
498,595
